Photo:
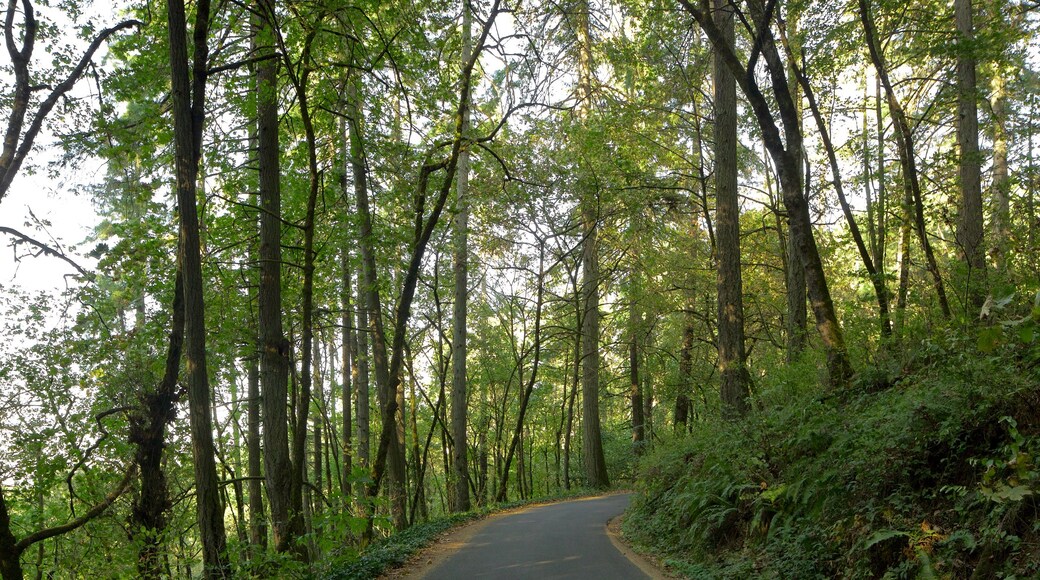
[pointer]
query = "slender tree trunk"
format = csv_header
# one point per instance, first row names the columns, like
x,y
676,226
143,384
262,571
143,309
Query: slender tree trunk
x,y
257,519
299,451
905,142
796,290
733,373
363,399
460,468
531,380
882,182
1001,222
188,93
682,400
348,355
635,390
317,426
969,224
1031,182
275,347
876,276
575,382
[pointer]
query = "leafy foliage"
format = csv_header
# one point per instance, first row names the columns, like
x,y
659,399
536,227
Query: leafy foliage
x,y
930,475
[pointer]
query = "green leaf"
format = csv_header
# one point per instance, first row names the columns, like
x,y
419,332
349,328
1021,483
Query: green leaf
x,y
989,339
882,535
1026,333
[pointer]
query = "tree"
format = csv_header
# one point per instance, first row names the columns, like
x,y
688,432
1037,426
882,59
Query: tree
x,y
905,145
459,400
274,347
969,224
733,373
20,139
188,94
589,204
787,154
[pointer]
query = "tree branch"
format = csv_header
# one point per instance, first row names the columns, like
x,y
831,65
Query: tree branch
x,y
22,238
92,513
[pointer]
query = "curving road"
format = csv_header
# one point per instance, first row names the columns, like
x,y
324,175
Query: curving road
x,y
563,540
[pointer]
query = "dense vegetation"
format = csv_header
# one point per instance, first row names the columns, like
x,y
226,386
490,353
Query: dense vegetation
x,y
362,268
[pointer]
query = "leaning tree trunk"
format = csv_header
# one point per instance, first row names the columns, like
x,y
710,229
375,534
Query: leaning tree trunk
x,y
905,143
786,152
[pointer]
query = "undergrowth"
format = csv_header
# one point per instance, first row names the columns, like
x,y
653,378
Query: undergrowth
x,y
924,467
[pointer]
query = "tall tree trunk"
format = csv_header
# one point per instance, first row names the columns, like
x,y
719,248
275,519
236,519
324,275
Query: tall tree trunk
x,y
275,347
317,426
303,406
595,464
188,94
733,373
460,469
969,222
363,400
348,354
796,290
905,142
575,381
682,400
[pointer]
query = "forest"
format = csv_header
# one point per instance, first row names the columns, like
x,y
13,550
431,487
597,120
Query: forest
x,y
355,268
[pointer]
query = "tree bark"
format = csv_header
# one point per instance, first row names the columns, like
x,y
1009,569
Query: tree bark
x,y
275,347
188,94
348,354
733,374
257,518
969,223
460,468
1001,192
682,400
635,387
595,464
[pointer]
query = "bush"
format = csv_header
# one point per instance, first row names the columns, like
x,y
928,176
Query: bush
x,y
927,469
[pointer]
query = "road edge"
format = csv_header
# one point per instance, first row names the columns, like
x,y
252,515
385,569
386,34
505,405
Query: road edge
x,y
651,567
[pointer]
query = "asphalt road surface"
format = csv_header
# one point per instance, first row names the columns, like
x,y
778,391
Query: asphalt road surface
x,y
563,540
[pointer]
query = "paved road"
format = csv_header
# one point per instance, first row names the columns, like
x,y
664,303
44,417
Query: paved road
x,y
563,540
